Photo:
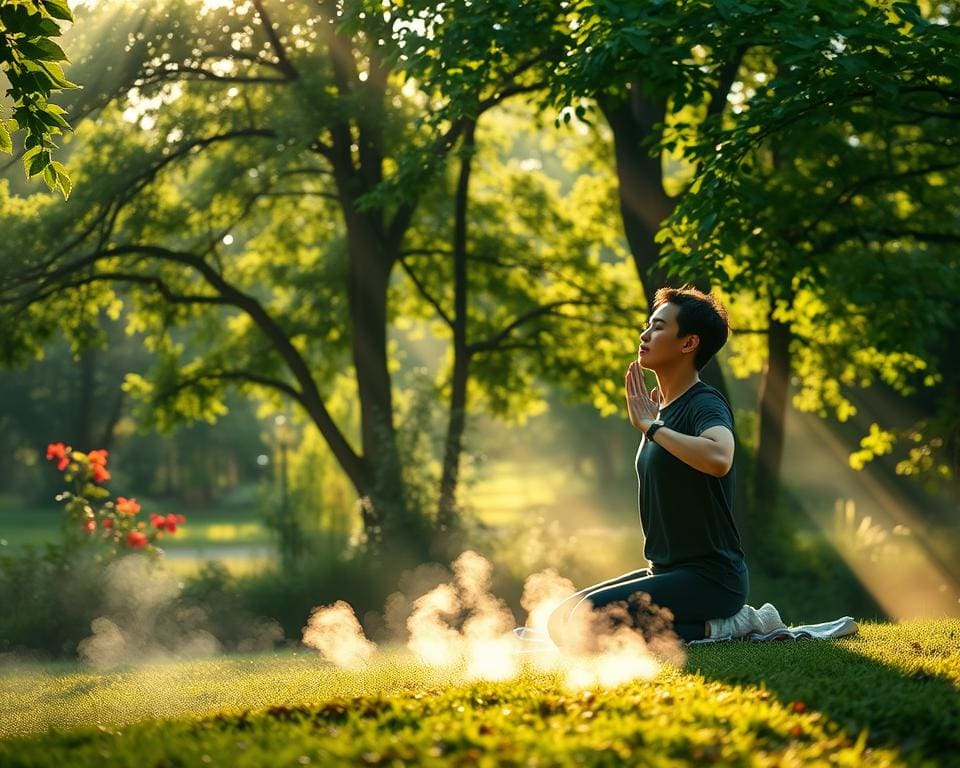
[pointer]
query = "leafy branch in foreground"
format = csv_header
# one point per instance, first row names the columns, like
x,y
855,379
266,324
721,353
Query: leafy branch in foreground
x,y
29,58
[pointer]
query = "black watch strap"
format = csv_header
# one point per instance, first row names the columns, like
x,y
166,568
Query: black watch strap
x,y
651,430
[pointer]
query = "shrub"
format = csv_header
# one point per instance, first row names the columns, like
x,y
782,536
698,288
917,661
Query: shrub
x,y
51,596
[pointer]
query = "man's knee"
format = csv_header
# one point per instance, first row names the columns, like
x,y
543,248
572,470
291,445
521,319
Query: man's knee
x,y
556,623
565,624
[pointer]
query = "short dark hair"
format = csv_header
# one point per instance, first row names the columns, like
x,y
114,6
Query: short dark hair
x,y
700,313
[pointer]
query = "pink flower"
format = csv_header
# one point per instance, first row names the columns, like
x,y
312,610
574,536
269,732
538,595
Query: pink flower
x,y
90,525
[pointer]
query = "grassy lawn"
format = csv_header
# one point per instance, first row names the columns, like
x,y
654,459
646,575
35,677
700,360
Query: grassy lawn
x,y
23,524
234,535
889,696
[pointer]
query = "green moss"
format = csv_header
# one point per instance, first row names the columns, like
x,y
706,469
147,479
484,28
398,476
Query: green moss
x,y
888,696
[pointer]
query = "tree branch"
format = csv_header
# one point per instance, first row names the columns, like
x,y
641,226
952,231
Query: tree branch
x,y
425,293
846,194
162,288
274,333
105,218
728,73
282,61
249,376
493,341
200,73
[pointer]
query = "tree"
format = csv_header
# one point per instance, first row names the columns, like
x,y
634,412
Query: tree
x,y
827,198
241,197
688,73
29,58
461,53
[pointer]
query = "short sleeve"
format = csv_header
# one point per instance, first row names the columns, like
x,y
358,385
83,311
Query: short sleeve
x,y
710,410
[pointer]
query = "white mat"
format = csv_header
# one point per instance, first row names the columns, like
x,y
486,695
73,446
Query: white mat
x,y
824,631
534,640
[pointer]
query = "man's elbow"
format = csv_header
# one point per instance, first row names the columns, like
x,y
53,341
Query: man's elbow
x,y
720,466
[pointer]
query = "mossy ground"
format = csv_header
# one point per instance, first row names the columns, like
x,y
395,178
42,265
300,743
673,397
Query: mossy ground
x,y
888,696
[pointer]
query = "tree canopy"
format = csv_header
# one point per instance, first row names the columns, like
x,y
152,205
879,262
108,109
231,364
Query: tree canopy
x,y
241,192
279,197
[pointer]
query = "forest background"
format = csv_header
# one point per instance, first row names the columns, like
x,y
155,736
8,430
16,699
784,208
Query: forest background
x,y
353,286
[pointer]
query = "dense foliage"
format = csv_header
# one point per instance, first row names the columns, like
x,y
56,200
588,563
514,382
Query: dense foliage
x,y
347,210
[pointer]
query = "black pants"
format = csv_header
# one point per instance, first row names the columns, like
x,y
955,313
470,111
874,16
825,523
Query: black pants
x,y
691,597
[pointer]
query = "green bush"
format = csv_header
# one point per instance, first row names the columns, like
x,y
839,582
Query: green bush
x,y
288,596
49,598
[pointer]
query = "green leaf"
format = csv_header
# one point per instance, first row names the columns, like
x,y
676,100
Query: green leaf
x,y
50,177
48,27
52,120
6,143
58,9
42,49
33,149
37,164
55,71
63,180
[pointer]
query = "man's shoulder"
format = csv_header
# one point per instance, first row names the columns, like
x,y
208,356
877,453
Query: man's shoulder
x,y
707,393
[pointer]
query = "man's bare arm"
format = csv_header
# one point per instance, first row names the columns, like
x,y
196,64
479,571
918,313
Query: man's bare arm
x,y
711,452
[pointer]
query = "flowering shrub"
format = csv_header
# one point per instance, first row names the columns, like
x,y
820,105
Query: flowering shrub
x,y
113,523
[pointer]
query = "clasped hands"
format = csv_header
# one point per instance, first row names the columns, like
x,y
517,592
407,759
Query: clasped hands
x,y
642,406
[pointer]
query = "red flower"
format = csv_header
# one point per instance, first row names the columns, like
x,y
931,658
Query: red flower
x,y
56,451
171,522
100,473
90,525
106,523
157,521
61,453
98,458
127,506
136,540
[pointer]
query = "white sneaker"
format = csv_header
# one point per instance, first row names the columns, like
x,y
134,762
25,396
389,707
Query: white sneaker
x,y
748,619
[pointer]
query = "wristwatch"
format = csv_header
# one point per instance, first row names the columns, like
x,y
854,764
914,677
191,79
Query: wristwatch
x,y
654,426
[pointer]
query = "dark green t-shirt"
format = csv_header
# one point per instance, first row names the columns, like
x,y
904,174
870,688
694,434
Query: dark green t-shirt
x,y
686,514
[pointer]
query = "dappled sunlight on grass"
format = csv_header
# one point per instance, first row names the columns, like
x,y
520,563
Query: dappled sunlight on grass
x,y
37,696
886,697
223,532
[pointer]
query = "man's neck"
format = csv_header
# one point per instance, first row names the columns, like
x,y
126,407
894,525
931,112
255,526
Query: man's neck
x,y
673,383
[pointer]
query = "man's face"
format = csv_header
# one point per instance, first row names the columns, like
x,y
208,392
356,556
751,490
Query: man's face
x,y
659,345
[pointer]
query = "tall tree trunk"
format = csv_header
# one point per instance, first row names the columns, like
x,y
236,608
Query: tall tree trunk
x,y
386,511
368,274
447,516
765,530
643,202
774,390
